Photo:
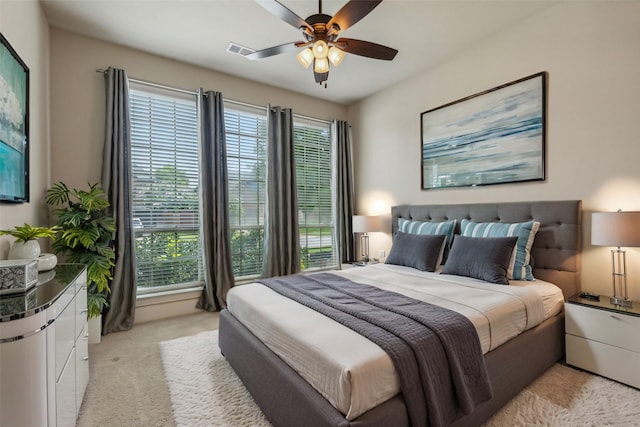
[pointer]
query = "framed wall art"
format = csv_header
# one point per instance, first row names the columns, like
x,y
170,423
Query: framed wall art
x,y
494,137
14,125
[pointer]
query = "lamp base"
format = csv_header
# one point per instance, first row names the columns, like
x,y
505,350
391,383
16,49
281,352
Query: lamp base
x,y
621,302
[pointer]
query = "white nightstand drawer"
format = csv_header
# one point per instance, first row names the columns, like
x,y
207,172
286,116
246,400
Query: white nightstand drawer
x,y
618,329
606,360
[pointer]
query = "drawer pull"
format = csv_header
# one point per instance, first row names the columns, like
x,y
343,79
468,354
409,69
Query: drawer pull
x,y
84,359
85,311
86,337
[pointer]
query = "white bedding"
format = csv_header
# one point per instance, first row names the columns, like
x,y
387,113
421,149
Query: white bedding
x,y
353,373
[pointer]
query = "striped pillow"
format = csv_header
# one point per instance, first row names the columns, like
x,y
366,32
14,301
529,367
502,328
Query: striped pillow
x,y
519,267
445,228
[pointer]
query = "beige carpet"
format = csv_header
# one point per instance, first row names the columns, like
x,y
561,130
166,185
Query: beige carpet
x,y
205,391
128,386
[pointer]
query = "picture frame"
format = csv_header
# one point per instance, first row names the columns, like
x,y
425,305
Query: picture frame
x,y
493,137
14,125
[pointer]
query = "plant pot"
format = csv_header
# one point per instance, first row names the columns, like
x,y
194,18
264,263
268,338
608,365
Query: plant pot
x,y
95,329
47,262
25,250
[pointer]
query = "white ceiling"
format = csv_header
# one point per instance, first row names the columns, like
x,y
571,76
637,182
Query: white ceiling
x,y
198,32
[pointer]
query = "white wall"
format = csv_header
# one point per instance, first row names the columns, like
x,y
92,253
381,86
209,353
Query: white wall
x,y
24,25
77,97
591,51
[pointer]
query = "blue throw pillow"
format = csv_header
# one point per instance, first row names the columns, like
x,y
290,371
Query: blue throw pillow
x,y
445,228
519,266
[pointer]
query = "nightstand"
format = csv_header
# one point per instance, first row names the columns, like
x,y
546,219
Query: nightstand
x,y
603,338
350,264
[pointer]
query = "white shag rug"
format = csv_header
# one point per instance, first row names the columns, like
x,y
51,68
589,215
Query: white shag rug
x,y
205,391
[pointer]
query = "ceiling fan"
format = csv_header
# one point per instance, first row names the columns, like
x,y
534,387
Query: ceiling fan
x,y
322,42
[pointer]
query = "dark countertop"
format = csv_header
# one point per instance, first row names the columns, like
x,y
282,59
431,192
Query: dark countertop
x,y
604,304
51,284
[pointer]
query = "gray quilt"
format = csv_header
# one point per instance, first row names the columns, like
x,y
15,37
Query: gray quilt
x,y
436,351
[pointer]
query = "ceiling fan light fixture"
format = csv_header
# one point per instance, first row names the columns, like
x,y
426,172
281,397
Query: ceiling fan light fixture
x,y
335,56
321,65
305,57
320,49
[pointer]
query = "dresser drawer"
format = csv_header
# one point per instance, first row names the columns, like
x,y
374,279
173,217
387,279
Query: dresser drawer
x,y
617,329
82,365
81,310
65,394
64,328
606,360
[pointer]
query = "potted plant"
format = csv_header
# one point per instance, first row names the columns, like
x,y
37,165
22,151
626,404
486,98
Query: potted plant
x,y
26,245
85,230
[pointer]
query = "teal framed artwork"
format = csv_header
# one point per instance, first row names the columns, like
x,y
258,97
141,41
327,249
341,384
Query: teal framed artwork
x,y
14,125
494,137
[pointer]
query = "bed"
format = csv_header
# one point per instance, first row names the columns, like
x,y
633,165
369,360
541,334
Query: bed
x,y
287,399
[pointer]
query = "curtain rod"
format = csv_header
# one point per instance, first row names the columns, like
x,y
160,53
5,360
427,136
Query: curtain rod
x,y
157,85
244,104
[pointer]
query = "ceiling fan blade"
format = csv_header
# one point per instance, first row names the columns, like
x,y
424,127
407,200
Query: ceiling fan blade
x,y
352,12
272,51
321,77
368,49
281,11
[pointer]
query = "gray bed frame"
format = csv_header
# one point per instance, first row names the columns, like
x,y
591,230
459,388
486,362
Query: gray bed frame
x,y
288,400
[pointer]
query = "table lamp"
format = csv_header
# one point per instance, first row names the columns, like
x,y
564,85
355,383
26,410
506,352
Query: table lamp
x,y
365,224
620,229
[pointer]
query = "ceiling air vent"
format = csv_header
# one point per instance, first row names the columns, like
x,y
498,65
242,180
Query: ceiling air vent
x,y
239,50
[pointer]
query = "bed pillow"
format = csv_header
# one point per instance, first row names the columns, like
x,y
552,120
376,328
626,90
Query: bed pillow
x,y
445,228
417,251
519,266
485,258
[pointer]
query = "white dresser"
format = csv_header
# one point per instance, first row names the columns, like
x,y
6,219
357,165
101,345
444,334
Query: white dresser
x,y
44,357
603,338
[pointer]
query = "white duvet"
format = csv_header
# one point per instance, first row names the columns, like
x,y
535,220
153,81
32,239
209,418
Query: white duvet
x,y
353,373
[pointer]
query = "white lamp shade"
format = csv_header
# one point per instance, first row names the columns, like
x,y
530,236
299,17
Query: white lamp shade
x,y
320,49
365,224
321,65
305,57
336,56
620,229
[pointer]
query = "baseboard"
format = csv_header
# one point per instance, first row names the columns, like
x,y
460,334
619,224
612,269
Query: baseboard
x,y
166,306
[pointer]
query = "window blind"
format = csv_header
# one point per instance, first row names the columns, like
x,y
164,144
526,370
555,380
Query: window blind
x,y
165,200
312,141
246,138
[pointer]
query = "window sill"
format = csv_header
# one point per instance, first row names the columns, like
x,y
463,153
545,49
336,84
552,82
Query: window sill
x,y
146,300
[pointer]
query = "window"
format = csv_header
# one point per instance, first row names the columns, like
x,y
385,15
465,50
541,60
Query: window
x,y
165,200
315,202
246,137
246,134
166,204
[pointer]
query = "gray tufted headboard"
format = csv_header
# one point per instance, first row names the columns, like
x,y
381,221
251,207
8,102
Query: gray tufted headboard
x,y
558,243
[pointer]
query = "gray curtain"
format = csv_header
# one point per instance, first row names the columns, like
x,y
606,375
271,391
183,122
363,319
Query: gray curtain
x,y
116,181
344,192
281,240
216,240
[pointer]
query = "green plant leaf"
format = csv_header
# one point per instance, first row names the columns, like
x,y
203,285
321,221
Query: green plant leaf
x,y
57,194
23,233
86,230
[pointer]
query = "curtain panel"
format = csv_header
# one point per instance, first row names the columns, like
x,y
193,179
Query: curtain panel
x,y
281,240
214,224
116,182
343,188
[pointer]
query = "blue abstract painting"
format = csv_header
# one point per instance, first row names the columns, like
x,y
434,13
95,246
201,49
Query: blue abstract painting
x,y
494,137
